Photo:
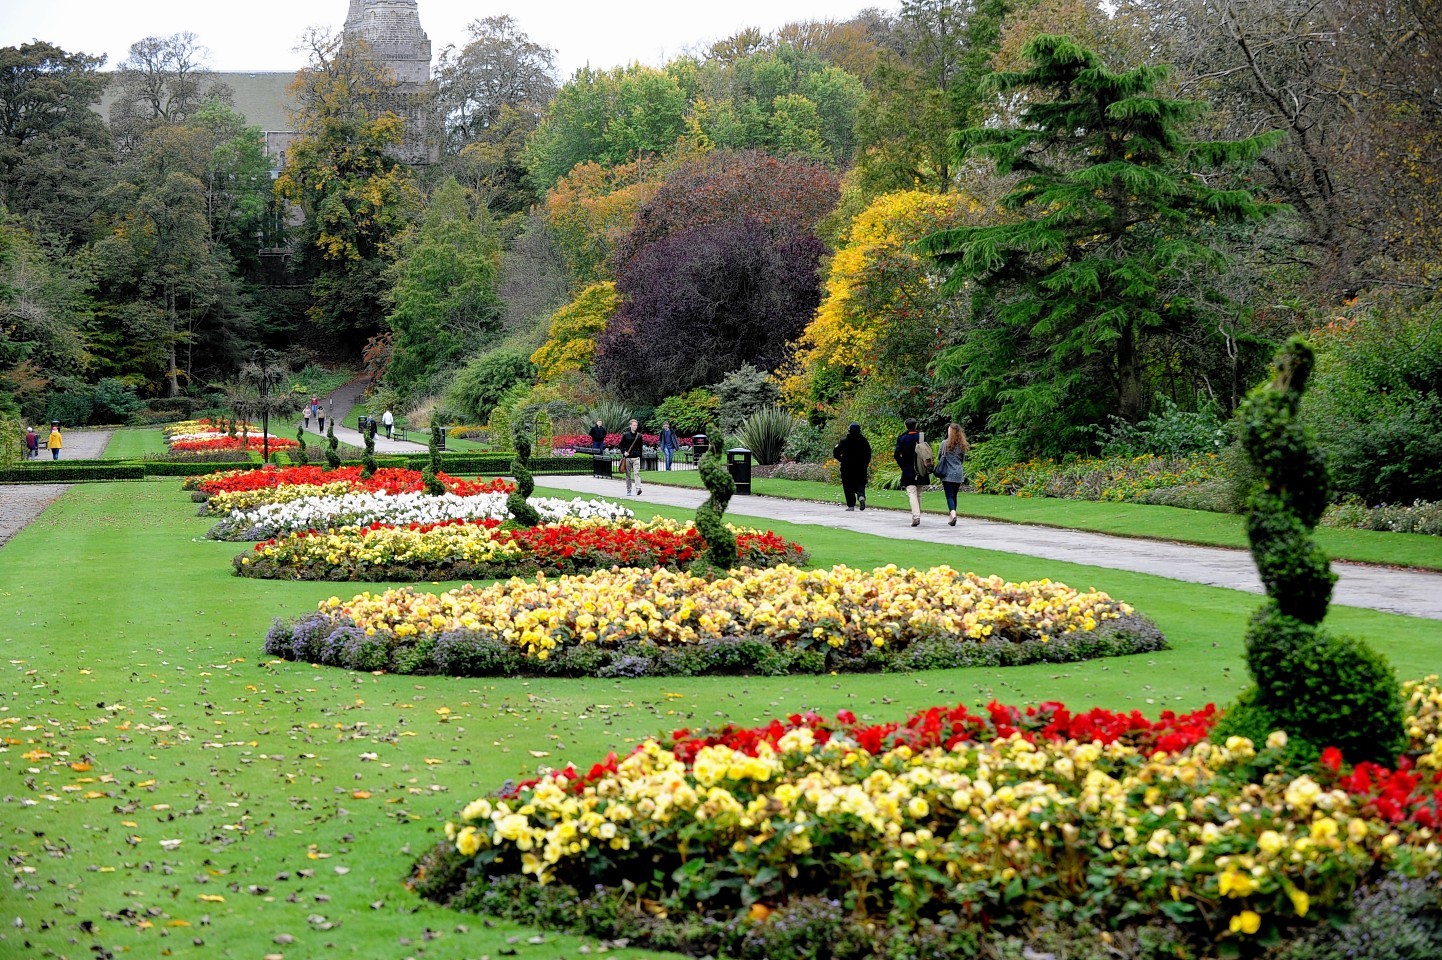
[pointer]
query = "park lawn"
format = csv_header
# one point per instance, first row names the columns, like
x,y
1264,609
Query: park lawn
x,y
152,756
1141,520
135,442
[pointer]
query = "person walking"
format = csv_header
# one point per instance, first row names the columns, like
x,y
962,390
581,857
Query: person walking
x,y
388,421
854,455
669,443
312,411
32,443
951,466
598,437
632,445
905,456
55,442
319,415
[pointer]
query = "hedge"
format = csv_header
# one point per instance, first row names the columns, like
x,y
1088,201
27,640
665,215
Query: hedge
x,y
73,473
50,471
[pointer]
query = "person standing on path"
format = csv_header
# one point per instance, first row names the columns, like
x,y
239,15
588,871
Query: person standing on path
x,y
854,455
388,421
32,443
905,456
632,445
951,466
598,438
669,443
55,442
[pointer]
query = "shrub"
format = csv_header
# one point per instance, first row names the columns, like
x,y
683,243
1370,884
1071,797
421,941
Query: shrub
x,y
481,384
71,409
744,391
765,433
615,415
1419,517
115,402
1170,432
808,444
688,412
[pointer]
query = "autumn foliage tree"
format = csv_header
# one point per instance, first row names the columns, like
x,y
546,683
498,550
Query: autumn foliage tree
x,y
570,345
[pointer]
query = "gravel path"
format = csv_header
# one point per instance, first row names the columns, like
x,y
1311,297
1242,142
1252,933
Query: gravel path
x,y
20,503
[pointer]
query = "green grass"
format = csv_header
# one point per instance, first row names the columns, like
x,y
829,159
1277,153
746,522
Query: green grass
x,y
1122,519
135,442
128,646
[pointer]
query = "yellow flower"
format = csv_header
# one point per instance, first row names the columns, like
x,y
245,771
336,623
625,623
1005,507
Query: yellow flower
x,y
1247,922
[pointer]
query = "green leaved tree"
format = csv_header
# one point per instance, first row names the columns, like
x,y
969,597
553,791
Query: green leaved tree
x,y
1123,220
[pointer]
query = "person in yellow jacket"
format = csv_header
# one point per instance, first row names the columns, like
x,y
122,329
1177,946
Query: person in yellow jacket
x,y
55,442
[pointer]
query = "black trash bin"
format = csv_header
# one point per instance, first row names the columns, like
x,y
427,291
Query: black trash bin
x,y
699,445
441,439
361,422
738,462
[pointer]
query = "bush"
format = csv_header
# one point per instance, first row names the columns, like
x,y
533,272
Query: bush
x,y
481,384
1420,517
766,432
689,412
1170,432
615,416
744,391
71,409
115,402
808,444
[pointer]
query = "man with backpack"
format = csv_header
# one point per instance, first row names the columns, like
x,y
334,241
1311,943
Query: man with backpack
x,y
916,460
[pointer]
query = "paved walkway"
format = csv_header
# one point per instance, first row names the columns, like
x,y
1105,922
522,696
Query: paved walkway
x,y
1411,592
341,403
21,503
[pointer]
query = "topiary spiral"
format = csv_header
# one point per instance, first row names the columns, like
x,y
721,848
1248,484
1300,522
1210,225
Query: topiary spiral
x,y
520,507
1323,690
300,454
720,542
332,447
368,461
430,475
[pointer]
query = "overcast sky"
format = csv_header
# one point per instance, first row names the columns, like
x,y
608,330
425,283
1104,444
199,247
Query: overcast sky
x,y
262,34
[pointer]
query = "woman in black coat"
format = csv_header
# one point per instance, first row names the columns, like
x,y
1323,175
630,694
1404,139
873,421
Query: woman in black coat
x,y
854,455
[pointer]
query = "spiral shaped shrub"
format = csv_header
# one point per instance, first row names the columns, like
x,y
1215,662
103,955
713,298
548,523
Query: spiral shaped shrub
x,y
1322,689
517,503
430,474
720,542
368,462
299,456
332,447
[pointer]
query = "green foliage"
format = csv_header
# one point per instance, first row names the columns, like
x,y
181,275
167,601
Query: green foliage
x,y
744,391
808,444
688,412
430,474
1376,403
1323,690
720,542
1075,306
479,386
1170,431
766,432
300,455
518,503
71,409
444,294
368,462
332,446
12,439
115,402
615,415
571,340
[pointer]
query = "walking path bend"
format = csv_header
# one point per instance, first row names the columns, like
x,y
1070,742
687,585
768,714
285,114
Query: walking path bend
x,y
1415,593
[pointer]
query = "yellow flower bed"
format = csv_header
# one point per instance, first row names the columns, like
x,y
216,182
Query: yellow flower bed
x,y
839,607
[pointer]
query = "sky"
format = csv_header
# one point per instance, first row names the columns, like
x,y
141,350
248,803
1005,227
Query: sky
x,y
261,34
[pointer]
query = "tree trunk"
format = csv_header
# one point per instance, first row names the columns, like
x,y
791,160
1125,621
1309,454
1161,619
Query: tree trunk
x,y
1129,375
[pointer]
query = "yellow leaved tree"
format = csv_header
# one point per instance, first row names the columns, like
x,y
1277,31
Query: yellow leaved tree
x,y
571,343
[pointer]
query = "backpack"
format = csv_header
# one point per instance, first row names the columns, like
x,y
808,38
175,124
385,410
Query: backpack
x,y
925,461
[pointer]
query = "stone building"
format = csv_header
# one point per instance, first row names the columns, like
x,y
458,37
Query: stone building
x,y
392,30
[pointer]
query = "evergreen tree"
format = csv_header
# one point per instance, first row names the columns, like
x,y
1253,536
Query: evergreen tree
x,y
1109,256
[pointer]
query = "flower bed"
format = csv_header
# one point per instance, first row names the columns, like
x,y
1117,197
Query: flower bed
x,y
581,441
951,834
331,510
478,550
221,442
245,489
633,622
1121,479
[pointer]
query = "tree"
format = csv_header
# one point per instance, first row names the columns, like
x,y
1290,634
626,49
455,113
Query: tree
x,y
343,174
164,80
493,92
592,207
883,315
42,313
444,303
701,302
609,116
571,341
1110,258
54,149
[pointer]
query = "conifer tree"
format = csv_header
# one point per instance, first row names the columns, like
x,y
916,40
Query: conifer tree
x,y
1116,236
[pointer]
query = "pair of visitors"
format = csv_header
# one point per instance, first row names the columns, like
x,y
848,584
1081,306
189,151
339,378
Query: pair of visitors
x,y
669,443
32,443
389,422
598,438
55,442
633,444
913,455
854,455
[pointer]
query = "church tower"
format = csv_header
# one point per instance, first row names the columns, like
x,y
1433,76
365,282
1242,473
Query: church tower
x,y
392,30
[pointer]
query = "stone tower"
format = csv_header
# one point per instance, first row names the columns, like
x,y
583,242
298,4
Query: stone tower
x,y
392,30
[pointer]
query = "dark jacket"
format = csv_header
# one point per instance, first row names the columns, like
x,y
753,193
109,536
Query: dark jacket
x,y
598,436
854,455
669,441
632,444
905,455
